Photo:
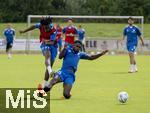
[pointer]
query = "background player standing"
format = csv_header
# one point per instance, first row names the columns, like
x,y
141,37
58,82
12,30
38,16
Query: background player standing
x,y
132,33
9,34
48,45
71,56
70,32
81,36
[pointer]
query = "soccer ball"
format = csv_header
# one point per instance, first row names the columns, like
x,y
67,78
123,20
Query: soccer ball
x,y
123,97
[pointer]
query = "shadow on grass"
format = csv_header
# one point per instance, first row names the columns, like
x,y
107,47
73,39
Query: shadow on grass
x,y
121,73
121,104
60,99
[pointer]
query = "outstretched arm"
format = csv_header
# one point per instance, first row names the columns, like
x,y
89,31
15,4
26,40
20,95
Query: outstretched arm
x,y
93,57
28,29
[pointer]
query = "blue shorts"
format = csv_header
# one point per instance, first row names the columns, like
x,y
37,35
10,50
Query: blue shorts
x,y
60,42
51,48
131,48
67,78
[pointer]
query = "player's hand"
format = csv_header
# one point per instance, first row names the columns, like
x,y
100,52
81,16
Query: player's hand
x,y
4,42
143,44
104,52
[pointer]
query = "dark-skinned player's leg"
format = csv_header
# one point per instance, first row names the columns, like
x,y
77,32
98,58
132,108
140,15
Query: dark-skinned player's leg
x,y
67,90
47,55
46,72
56,79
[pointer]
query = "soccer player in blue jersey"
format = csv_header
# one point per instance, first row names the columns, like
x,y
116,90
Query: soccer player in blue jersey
x,y
132,33
81,36
71,56
9,34
48,45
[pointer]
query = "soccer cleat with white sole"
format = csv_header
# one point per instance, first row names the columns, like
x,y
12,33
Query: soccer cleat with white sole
x,y
131,71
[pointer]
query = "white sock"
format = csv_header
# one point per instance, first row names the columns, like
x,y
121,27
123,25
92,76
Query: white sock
x,y
131,67
9,55
49,69
135,67
45,83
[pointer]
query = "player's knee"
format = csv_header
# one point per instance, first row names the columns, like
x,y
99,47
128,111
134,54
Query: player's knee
x,y
67,96
47,62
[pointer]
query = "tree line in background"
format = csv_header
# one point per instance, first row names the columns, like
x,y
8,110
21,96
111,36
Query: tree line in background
x,y
17,10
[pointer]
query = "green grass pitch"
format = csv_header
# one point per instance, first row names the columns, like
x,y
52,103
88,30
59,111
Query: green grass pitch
x,y
97,83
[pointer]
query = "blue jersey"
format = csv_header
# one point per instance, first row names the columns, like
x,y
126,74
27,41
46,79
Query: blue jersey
x,y
71,59
9,33
81,33
132,33
38,25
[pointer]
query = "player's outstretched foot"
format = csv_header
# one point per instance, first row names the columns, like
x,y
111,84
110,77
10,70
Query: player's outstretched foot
x,y
41,92
46,89
40,87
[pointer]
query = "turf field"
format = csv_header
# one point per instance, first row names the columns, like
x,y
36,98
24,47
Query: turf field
x,y
98,30
97,84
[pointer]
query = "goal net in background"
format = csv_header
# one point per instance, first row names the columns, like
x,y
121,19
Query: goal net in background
x,y
101,31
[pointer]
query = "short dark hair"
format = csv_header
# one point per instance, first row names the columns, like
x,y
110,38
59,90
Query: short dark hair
x,y
78,41
49,19
130,18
